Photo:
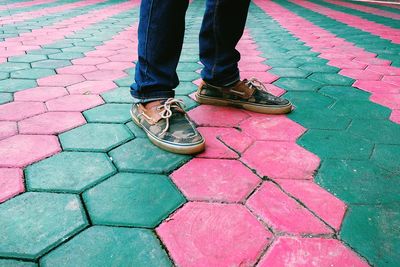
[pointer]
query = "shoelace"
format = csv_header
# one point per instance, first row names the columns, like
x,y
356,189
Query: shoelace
x,y
166,112
256,84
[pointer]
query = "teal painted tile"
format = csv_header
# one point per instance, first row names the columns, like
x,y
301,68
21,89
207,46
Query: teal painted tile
x,y
14,85
387,156
331,79
297,84
27,58
5,98
32,74
109,113
51,64
118,95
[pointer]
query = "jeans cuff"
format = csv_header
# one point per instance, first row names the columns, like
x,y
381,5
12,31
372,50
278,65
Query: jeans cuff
x,y
151,96
226,80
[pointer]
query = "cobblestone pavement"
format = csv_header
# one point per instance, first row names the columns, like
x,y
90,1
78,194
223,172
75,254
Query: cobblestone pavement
x,y
80,185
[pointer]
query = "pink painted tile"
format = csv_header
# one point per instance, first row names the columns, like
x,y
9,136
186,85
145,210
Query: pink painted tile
x,y
392,80
346,63
372,61
264,77
237,237
275,90
51,123
115,65
76,69
251,67
101,53
60,80
89,61
74,103
254,59
306,252
215,180
384,70
15,111
391,101
281,160
207,115
11,183
123,57
236,140
377,87
283,213
91,87
103,75
325,205
197,82
272,127
7,129
361,74
40,94
395,116
22,150
214,147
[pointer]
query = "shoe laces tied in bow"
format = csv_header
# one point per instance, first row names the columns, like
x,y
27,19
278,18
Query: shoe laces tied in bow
x,y
166,110
256,84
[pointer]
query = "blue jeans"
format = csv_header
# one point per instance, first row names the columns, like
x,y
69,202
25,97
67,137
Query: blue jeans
x,y
161,32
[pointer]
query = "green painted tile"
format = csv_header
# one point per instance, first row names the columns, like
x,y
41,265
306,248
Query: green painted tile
x,y
336,144
360,109
32,74
4,75
319,119
89,43
359,182
5,98
16,263
189,58
109,113
188,102
118,95
185,88
14,85
379,224
312,67
136,130
387,156
290,72
187,66
109,246
58,45
331,79
66,55
130,72
27,58
124,82
51,64
188,76
281,63
12,66
378,131
96,137
344,93
140,155
297,84
79,49
133,199
301,52
309,99
44,51
33,223
69,172
308,59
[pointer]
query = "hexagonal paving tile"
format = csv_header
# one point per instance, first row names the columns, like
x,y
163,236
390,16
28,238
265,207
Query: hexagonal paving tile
x,y
215,180
60,80
21,150
187,236
323,119
109,246
307,99
51,123
69,172
95,137
32,74
281,160
214,147
5,98
270,127
26,58
76,69
74,103
33,223
40,94
51,64
15,85
283,213
7,129
13,66
360,109
331,79
297,84
118,95
104,75
109,113
336,144
16,111
91,87
207,115
305,252
11,183
150,198
387,157
16,263
142,156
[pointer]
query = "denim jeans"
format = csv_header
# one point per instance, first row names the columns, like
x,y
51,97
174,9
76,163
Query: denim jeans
x,y
161,33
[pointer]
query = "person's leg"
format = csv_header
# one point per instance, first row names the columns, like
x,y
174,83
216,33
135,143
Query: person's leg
x,y
160,34
222,28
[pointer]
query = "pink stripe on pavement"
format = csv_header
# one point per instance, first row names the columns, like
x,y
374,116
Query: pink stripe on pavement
x,y
367,9
372,74
24,4
45,111
380,30
45,11
34,40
